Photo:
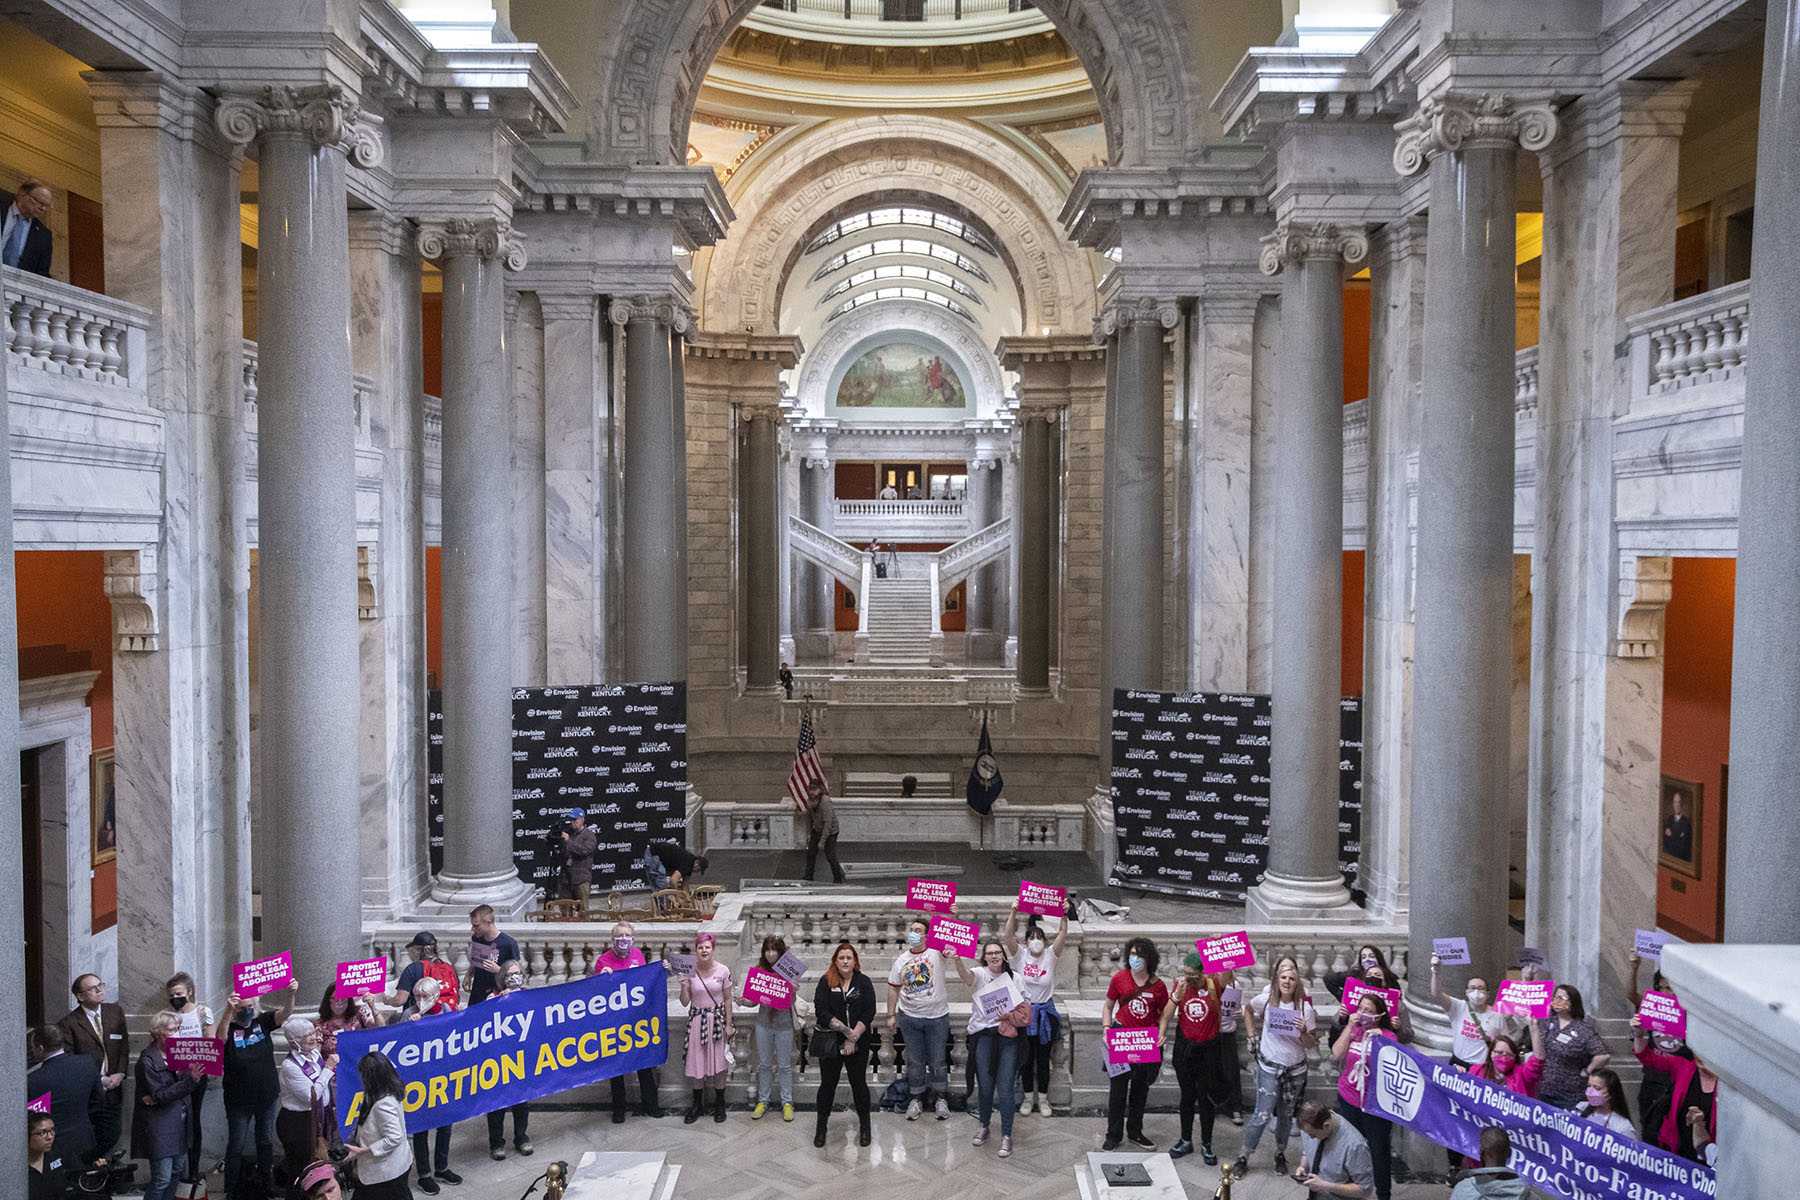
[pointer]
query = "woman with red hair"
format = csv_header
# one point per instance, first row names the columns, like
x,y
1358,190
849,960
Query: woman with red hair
x,y
845,1006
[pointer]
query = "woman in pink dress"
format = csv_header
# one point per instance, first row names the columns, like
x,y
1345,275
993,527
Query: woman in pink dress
x,y
707,994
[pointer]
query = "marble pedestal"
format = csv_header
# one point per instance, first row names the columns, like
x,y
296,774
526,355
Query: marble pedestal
x,y
1090,1177
623,1176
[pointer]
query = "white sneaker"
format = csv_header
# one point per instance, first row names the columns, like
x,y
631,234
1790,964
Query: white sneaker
x,y
980,1138
1044,1108
1030,1104
943,1109
913,1109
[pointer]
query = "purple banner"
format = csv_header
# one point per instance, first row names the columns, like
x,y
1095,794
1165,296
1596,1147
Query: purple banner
x,y
1552,1149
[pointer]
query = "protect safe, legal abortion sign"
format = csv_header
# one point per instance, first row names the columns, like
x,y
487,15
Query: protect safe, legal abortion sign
x,y
522,1046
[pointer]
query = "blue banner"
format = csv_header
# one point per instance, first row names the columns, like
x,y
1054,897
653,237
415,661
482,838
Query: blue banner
x,y
1554,1150
532,1043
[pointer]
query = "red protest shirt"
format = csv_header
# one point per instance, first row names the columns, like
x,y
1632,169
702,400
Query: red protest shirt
x,y
1198,1012
1134,1006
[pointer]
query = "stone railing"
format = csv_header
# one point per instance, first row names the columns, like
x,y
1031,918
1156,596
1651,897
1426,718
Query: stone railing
x,y
900,508
1691,343
771,825
553,952
833,553
70,332
1525,384
977,550
434,421
891,686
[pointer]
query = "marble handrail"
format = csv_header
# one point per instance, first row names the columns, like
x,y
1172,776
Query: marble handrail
x,y
830,552
1525,384
977,550
70,331
900,508
1702,339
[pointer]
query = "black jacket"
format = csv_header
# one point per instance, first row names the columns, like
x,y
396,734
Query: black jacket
x,y
76,1099
35,255
829,1003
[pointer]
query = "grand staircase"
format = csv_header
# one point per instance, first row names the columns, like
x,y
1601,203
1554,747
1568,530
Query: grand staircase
x,y
898,622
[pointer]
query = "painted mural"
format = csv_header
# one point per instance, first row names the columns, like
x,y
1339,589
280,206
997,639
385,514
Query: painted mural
x,y
901,375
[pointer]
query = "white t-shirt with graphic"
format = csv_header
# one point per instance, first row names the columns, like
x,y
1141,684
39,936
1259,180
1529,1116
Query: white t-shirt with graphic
x,y
1037,973
1283,1050
1470,1032
920,978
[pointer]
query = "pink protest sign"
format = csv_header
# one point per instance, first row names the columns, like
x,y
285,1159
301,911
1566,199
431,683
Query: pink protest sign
x,y
41,1104
1354,991
1662,1013
1522,998
205,1053
765,987
1042,899
930,895
1227,952
367,977
1134,1045
252,979
954,937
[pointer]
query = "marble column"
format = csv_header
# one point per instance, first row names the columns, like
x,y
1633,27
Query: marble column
x,y
1036,429
654,509
1397,287
1303,882
1264,357
574,558
385,344
13,1163
1609,253
1463,601
1132,589
1763,840
759,542
982,591
818,596
477,566
308,675
181,694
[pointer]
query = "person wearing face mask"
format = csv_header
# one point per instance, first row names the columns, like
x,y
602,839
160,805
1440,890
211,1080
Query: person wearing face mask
x,y
1606,1103
1037,978
994,1038
160,1116
196,1022
1473,1021
1693,1107
1280,1057
844,1006
1135,999
916,986
512,979
1195,1006
773,1031
1518,1072
252,1089
707,995
1574,1049
622,952
306,1076
1354,1048
1371,970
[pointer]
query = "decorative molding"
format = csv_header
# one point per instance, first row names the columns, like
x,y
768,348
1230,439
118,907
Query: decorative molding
x,y
667,310
1462,121
460,237
1645,586
130,584
1295,241
816,464
1146,310
324,114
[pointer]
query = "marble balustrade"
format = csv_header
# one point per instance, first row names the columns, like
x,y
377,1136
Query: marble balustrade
x,y
1012,826
68,331
891,686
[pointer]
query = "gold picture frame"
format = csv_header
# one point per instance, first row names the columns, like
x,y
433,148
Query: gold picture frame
x,y
1678,825
103,827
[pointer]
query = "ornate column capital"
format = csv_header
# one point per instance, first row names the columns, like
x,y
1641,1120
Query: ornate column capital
x,y
1297,241
1463,121
323,114
760,411
985,464
670,310
461,237
1145,310
816,464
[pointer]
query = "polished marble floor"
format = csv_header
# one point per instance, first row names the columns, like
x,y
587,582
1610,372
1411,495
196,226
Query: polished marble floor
x,y
741,1159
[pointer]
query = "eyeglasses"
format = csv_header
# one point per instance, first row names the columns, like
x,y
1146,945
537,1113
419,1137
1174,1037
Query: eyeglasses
x,y
48,1131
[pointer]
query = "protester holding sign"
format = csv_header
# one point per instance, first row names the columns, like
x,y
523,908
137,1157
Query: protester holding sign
x,y
252,1088
340,1013
1135,999
773,1030
916,987
998,1011
1037,977
196,1022
1694,1090
159,1119
512,979
1520,1073
844,1006
1473,1022
306,1095
1371,970
1195,1007
707,995
377,1151
1289,1030
620,953
1371,1022
1573,1048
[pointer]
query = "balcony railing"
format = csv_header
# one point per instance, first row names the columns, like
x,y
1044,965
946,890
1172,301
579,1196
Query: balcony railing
x,y
900,10
66,331
901,508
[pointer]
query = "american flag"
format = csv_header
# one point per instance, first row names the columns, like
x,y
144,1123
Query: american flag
x,y
806,764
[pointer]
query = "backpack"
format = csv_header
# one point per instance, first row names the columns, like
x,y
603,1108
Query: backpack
x,y
445,974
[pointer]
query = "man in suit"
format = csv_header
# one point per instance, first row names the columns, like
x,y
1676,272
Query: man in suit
x,y
77,1098
24,238
97,1030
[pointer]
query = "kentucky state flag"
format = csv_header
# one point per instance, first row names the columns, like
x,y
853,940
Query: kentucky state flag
x,y
984,777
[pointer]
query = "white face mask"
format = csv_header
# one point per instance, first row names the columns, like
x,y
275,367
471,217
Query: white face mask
x,y
1477,997
1035,945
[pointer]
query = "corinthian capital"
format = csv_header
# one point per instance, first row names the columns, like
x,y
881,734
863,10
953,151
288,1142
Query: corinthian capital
x,y
1146,310
1460,121
1295,241
460,237
667,309
323,114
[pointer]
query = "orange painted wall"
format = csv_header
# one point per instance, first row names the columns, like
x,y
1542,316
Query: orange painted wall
x,y
434,616
1696,733
62,601
956,620
1356,342
848,620
1352,682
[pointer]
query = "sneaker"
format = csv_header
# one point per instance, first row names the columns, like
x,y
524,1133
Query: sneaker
x,y
498,1153
446,1175
913,1109
1110,1144
428,1185
787,1112
1241,1167
1044,1105
980,1138
756,1113
1138,1139
1181,1149
1237,1118
943,1109
1006,1145
1280,1163
524,1146
1208,1157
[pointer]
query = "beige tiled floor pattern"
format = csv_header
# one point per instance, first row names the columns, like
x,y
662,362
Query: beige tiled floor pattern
x,y
923,1160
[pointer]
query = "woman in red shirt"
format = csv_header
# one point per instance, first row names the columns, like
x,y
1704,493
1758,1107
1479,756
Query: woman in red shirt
x,y
1195,1006
1135,999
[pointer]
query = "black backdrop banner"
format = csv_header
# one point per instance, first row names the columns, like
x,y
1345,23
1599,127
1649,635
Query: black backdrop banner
x,y
1190,788
618,752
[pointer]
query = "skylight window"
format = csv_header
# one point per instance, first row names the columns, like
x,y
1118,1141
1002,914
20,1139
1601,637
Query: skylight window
x,y
903,293
923,218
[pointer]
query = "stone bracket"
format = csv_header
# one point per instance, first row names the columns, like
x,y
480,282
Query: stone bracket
x,y
1645,585
130,584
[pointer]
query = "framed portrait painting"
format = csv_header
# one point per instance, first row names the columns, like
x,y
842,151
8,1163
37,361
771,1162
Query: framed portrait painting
x,y
102,817
1678,826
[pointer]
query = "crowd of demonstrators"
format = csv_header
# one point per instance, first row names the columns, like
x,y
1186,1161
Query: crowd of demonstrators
x,y
1135,999
1657,1086
773,1030
844,1007
252,1089
1572,1048
1037,978
622,953
1280,1058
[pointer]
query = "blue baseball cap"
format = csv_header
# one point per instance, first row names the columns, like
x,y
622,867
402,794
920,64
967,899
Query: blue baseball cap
x,y
576,814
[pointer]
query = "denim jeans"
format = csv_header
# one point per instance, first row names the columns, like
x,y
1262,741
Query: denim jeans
x,y
239,1124
162,1178
926,1040
1267,1090
655,874
774,1058
996,1062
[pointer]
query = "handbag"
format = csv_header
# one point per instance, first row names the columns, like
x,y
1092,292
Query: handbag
x,y
826,1043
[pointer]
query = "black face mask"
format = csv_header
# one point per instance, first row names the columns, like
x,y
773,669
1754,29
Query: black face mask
x,y
178,1002
242,1016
